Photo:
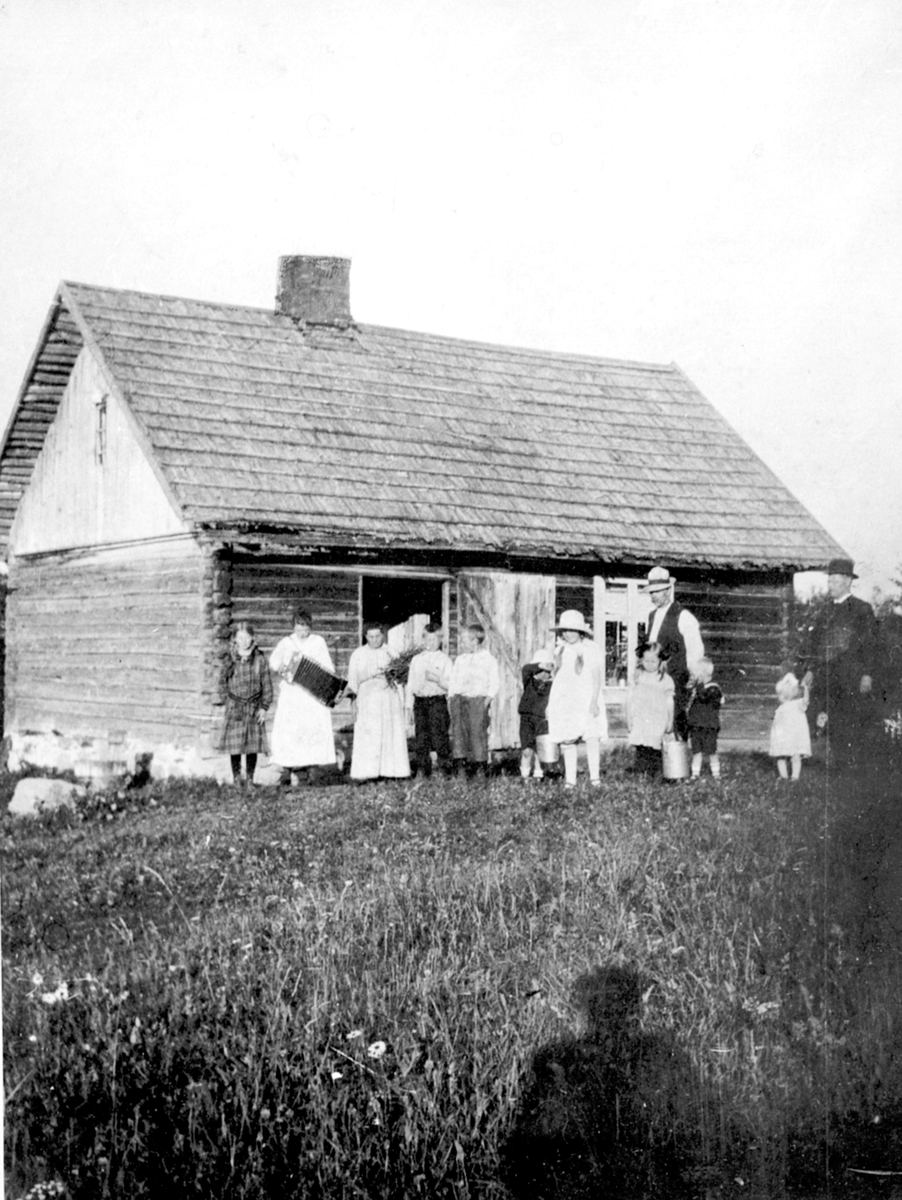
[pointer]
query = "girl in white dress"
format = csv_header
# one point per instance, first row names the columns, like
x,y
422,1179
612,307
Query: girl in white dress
x,y
380,726
576,711
649,709
302,727
790,737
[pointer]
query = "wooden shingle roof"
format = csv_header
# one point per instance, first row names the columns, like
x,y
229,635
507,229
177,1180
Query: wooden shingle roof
x,y
380,436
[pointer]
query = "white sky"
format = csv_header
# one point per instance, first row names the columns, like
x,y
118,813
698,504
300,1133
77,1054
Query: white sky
x,y
713,183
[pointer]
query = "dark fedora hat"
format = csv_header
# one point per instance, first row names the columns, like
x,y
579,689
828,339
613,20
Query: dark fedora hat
x,y
842,566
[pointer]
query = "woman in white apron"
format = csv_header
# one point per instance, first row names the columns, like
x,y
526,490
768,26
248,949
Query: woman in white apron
x,y
380,726
302,728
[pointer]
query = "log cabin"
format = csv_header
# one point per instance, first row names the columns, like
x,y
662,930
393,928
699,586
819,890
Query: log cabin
x,y
173,465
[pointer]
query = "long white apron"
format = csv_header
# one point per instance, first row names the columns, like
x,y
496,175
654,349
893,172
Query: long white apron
x,y
380,731
302,727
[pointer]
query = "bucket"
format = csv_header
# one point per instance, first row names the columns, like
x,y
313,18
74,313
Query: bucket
x,y
547,750
675,759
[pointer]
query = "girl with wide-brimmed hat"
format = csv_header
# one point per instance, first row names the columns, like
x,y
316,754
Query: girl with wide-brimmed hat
x,y
576,711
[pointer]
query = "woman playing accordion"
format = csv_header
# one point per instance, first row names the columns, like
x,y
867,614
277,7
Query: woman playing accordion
x,y
302,728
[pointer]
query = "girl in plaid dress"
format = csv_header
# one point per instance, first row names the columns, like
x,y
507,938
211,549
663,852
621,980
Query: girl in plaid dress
x,y
246,691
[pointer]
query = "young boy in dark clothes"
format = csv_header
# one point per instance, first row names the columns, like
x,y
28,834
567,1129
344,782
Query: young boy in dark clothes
x,y
533,722
704,718
427,697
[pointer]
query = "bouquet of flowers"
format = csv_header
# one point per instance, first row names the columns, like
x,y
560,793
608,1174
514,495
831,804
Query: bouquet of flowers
x,y
398,669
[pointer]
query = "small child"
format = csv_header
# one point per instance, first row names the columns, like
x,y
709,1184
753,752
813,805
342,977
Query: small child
x,y
533,703
245,688
704,719
475,682
649,709
790,737
428,681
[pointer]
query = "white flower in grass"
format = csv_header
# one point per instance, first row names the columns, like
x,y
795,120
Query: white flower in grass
x,y
336,1075
61,993
355,1034
376,1049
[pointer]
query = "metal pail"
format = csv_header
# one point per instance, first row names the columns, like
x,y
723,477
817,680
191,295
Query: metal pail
x,y
675,756
548,751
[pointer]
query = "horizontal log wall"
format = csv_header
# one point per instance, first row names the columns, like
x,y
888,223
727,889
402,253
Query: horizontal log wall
x,y
265,593
572,592
109,644
745,630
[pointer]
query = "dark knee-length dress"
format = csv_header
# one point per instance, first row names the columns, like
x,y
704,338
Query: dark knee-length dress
x,y
245,688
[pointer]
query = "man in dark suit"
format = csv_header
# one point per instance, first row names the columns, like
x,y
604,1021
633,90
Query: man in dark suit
x,y
839,665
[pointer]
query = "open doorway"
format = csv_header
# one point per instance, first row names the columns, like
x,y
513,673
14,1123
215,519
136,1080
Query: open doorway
x,y
404,605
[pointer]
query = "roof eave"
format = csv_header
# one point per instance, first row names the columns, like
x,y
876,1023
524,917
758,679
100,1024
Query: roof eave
x,y
40,345
311,537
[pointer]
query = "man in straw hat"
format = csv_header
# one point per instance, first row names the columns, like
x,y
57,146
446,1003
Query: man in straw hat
x,y
677,633
838,665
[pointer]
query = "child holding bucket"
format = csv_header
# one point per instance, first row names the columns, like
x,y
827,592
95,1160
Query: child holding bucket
x,y
533,722
649,709
790,737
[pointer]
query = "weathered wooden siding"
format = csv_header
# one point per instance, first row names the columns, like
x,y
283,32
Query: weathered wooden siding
x,y
106,644
745,630
46,380
516,611
92,482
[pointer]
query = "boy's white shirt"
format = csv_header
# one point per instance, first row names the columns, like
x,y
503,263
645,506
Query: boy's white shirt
x,y
475,674
436,661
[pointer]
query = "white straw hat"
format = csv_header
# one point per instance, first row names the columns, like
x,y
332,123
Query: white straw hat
x,y
659,580
572,621
545,655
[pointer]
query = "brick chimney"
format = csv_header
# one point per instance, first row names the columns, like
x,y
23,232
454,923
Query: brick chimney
x,y
315,290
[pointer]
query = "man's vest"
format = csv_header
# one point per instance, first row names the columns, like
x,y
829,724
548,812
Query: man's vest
x,y
673,648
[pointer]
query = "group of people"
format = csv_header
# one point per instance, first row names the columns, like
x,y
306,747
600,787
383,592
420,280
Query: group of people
x,y
563,693
831,684
449,702
673,695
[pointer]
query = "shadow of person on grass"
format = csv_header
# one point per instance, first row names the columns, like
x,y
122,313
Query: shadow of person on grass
x,y
615,1112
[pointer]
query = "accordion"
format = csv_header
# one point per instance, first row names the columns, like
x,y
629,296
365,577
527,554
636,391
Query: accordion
x,y
319,682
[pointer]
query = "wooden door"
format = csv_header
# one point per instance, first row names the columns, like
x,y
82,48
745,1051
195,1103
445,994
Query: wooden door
x,y
517,613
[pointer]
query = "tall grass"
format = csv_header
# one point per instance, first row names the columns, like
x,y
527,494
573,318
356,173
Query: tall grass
x,y
340,992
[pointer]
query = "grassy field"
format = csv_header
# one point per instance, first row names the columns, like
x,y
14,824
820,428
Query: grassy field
x,y
369,991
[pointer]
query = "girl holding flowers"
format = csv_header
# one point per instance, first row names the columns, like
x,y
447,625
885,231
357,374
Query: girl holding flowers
x,y
380,726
